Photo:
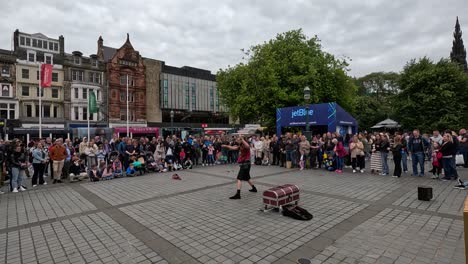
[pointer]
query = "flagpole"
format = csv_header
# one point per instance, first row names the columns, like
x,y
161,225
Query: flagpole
x,y
128,130
40,103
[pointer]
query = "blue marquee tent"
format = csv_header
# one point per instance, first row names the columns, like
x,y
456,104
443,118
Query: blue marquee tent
x,y
331,115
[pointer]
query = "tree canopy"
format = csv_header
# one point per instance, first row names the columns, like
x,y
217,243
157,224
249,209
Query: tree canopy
x,y
275,74
433,95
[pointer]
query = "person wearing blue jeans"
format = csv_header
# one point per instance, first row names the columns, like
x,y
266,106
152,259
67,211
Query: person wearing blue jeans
x,y
384,149
18,163
417,146
404,160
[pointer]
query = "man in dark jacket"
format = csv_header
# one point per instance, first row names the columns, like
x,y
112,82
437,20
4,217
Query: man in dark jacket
x,y
417,146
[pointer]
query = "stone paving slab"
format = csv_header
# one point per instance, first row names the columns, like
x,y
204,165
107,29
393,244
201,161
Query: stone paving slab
x,y
446,199
213,229
37,205
94,238
396,236
132,189
231,170
361,186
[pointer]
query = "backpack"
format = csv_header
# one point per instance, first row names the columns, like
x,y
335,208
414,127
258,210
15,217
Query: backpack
x,y
296,212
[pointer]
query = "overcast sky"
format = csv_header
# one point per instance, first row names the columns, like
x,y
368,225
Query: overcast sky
x,y
378,35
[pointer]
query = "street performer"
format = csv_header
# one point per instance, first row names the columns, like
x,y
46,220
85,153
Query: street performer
x,y
244,163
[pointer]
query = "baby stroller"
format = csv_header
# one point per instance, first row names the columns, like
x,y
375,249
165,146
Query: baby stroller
x,y
151,164
330,162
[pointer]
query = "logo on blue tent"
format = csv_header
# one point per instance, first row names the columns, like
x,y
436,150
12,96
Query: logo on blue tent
x,y
301,112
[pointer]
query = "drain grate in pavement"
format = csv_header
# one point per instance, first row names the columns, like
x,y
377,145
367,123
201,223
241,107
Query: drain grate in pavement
x,y
303,261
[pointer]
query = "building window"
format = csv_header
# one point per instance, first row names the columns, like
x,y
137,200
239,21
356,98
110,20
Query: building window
x,y
55,93
31,56
55,111
25,90
56,46
28,42
39,43
187,95
34,41
37,75
6,90
6,71
194,97
123,80
25,73
76,93
94,62
37,111
216,100
29,111
55,76
48,58
211,98
76,114
46,110
91,116
76,60
77,76
98,95
123,115
8,111
22,41
94,77
85,113
51,46
44,44
85,93
42,92
165,94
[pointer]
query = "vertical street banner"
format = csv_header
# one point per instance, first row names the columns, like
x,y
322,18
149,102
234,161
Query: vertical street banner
x,y
46,75
92,105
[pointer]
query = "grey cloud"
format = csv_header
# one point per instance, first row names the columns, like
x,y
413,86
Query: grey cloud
x,y
376,35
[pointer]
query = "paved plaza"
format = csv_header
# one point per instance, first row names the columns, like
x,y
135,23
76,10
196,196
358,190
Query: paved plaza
x,y
358,218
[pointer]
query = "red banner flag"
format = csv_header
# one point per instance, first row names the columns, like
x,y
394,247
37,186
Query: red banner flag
x,y
46,75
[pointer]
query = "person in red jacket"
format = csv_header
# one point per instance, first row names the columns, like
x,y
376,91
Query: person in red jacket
x,y
340,153
436,161
244,161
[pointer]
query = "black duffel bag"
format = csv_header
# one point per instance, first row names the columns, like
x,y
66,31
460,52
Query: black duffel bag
x,y
297,212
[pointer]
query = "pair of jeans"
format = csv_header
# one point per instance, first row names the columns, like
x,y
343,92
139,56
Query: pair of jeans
x,y
289,155
384,158
211,159
17,176
418,158
397,170
404,161
464,152
38,173
446,164
339,163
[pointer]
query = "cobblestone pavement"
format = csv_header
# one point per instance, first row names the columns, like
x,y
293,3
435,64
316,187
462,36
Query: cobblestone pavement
x,y
358,218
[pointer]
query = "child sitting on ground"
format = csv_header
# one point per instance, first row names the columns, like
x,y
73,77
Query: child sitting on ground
x,y
94,174
77,170
107,173
117,167
131,170
162,166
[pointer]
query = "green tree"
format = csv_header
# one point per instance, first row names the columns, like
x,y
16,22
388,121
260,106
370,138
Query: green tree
x,y
433,95
376,92
275,74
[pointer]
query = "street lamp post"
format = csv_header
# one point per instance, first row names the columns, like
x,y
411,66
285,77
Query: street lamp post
x,y
307,98
172,122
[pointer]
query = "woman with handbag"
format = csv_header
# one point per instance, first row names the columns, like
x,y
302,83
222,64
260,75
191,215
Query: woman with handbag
x,y
18,162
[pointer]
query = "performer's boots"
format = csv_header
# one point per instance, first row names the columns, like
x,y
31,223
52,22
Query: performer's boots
x,y
253,189
237,196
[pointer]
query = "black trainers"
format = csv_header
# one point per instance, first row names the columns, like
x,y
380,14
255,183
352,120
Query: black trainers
x,y
460,182
253,189
235,197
